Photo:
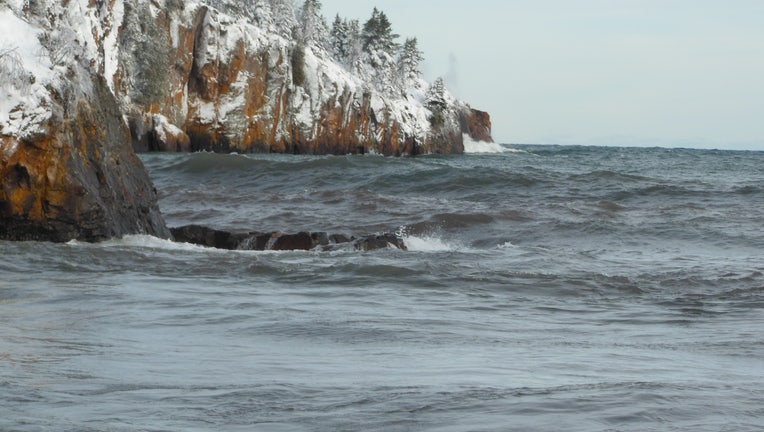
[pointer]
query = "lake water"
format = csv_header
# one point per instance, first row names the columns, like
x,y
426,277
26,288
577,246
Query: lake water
x,y
545,288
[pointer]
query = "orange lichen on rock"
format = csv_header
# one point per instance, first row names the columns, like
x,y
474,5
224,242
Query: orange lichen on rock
x,y
78,179
232,88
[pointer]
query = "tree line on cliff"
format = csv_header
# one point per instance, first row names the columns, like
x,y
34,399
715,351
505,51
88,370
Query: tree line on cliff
x,y
175,63
369,49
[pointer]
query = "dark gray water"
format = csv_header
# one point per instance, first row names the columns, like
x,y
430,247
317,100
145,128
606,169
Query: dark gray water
x,y
547,288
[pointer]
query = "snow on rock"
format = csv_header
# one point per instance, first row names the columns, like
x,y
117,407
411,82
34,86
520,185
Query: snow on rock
x,y
168,137
231,78
111,41
67,170
24,73
248,86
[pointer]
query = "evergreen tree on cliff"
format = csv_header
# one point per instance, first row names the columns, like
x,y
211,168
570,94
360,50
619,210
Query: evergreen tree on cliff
x,y
345,42
260,11
409,65
355,47
379,46
377,35
339,40
313,29
283,14
435,97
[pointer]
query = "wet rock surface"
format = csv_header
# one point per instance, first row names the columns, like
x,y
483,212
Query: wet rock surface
x,y
277,241
77,179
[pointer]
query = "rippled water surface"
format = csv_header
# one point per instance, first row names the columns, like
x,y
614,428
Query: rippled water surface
x,y
545,289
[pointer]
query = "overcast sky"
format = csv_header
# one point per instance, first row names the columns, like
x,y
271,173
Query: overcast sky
x,y
674,73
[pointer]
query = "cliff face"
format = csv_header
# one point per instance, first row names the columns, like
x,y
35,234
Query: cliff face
x,y
189,76
232,85
83,82
477,124
67,170
77,180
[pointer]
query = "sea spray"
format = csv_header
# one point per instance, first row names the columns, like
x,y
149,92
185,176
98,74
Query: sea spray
x,y
471,146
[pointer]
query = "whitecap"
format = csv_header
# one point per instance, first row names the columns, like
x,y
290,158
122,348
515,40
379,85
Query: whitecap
x,y
506,245
142,241
472,146
428,244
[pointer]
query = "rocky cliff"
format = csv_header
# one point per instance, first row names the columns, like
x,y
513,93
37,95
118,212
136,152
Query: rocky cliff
x,y
67,170
223,75
194,77
77,179
85,82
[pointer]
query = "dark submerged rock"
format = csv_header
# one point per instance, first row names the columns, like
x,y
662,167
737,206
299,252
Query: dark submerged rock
x,y
277,241
379,241
204,236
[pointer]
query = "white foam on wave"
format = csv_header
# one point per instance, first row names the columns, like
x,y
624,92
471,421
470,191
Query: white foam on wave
x,y
144,241
506,245
428,244
139,241
472,146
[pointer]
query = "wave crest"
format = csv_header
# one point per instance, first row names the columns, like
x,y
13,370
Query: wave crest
x,y
472,146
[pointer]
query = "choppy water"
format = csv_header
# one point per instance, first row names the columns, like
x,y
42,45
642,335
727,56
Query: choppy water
x,y
547,288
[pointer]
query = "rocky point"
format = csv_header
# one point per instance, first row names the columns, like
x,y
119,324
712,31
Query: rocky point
x,y
84,83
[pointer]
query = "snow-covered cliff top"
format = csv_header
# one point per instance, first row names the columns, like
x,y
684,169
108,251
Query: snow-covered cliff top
x,y
142,50
25,70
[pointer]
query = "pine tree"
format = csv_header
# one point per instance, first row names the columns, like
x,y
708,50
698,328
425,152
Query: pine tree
x,y
312,25
338,39
435,97
378,64
378,34
145,45
298,65
283,17
345,42
260,11
409,62
355,47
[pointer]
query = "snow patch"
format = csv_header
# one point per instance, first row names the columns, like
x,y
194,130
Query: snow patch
x,y
163,128
207,112
175,32
22,37
84,21
25,72
111,47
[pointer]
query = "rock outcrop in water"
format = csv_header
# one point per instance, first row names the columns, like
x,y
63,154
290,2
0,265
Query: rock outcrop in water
x,y
77,179
276,241
67,170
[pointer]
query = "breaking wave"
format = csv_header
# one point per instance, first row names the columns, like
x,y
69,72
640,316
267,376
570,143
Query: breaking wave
x,y
429,244
472,146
